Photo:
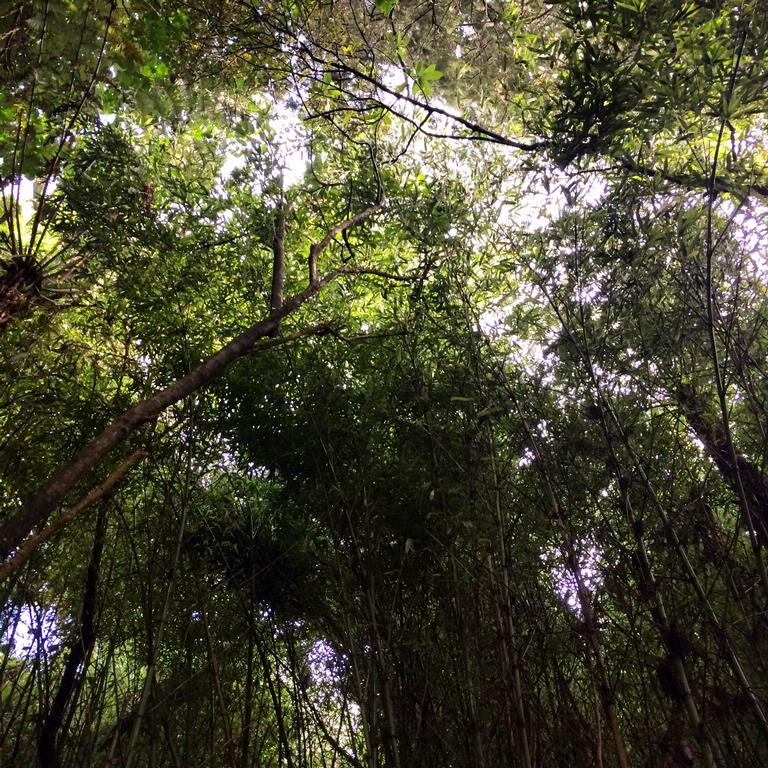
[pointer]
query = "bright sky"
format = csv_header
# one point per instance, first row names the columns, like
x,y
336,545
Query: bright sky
x,y
34,621
291,140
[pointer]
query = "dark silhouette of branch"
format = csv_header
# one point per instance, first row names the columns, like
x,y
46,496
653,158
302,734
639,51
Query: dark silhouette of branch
x,y
278,262
49,747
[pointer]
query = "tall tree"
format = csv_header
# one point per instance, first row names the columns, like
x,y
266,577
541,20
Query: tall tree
x,y
383,384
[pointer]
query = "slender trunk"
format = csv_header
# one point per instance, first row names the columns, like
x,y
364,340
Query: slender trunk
x,y
217,687
284,744
658,610
165,725
363,699
391,735
478,751
245,736
49,744
661,619
332,739
609,418
720,631
747,482
278,260
594,643
155,644
508,625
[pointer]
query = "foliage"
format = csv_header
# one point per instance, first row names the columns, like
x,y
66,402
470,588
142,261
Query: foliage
x,y
440,330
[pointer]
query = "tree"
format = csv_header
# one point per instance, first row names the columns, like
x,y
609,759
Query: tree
x,y
382,384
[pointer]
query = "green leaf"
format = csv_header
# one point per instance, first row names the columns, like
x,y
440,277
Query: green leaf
x,y
427,75
386,6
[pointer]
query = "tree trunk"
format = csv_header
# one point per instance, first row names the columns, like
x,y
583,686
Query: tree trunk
x,y
49,745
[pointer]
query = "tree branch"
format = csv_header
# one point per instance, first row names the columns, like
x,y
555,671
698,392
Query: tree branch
x,y
278,261
378,273
101,491
38,505
475,129
317,248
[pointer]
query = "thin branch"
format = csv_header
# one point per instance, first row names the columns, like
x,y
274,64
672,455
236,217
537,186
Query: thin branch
x,y
100,492
367,336
36,241
278,261
317,248
378,273
474,128
690,181
314,330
